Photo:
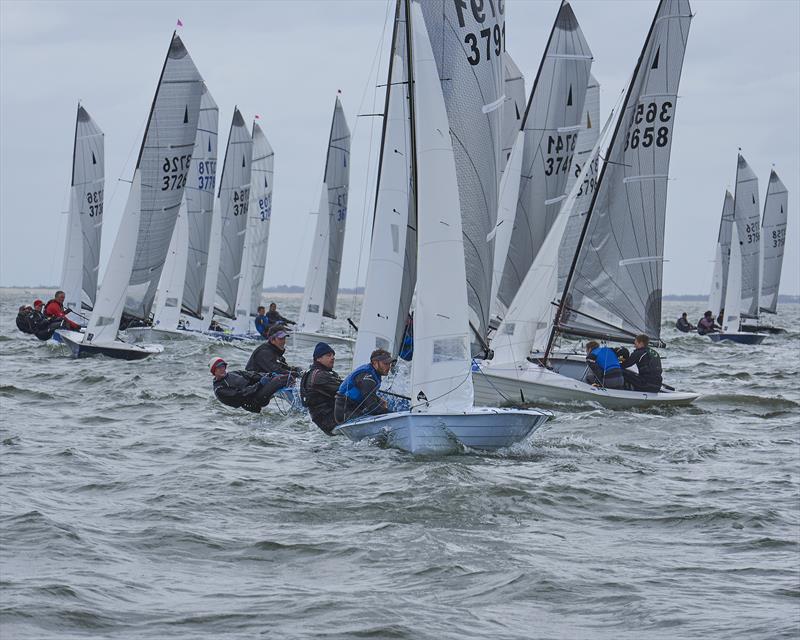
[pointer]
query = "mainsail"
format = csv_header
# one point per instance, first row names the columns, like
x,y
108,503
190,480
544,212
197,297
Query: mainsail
x,y
773,230
722,257
234,199
85,222
156,192
468,40
552,122
199,200
614,287
163,165
322,279
260,212
733,299
391,271
441,377
748,222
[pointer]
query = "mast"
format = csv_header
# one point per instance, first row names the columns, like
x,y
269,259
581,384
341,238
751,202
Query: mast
x,y
568,282
411,107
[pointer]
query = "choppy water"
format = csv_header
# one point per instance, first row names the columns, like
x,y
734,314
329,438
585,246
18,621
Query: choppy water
x,y
135,506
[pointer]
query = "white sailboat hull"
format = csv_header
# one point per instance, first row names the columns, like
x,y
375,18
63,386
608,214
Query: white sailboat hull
x,y
482,429
116,349
309,339
496,385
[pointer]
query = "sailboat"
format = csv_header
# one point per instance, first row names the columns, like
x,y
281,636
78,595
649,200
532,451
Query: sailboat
x,y
128,289
612,290
442,418
731,331
550,129
773,238
85,221
324,266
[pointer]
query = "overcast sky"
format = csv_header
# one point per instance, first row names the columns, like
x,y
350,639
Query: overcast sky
x,y
286,60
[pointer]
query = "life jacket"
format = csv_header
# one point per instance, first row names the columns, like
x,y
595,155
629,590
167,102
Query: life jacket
x,y
606,359
350,390
29,319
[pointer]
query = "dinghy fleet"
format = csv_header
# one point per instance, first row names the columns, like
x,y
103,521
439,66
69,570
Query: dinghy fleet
x,y
506,231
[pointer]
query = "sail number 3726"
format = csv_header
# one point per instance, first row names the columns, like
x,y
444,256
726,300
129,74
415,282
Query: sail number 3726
x,y
175,170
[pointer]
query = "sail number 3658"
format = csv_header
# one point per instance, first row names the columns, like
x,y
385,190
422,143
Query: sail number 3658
x,y
658,133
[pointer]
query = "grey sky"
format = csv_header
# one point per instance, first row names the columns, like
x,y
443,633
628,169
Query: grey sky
x,y
285,61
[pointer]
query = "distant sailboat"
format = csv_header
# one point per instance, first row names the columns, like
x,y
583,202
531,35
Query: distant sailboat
x,y
442,418
613,288
85,221
773,236
137,258
322,279
722,257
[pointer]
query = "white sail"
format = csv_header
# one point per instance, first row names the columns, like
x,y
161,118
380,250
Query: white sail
x,y
552,123
234,201
311,308
715,297
260,212
773,234
529,320
514,106
722,256
441,369
170,289
156,192
212,271
382,311
84,225
614,290
733,298
589,131
199,200
748,222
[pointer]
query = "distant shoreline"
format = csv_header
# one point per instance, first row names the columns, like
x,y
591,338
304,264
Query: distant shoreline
x,y
295,289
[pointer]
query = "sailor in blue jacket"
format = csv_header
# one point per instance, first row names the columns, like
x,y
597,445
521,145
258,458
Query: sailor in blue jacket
x,y
604,365
357,395
262,322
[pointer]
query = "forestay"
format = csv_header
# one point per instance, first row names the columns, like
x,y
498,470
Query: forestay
x,y
722,257
513,107
441,377
615,288
322,279
234,199
773,231
200,191
163,164
85,221
140,248
386,300
748,224
260,212
551,125
468,40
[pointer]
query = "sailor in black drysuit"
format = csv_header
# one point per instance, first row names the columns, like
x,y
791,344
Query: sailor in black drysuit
x,y
683,324
31,319
318,388
268,357
648,362
245,389
357,395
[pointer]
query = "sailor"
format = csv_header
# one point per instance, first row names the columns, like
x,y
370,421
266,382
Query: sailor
x,y
357,395
604,366
215,326
318,388
245,389
55,309
262,322
29,319
273,317
407,347
268,357
707,325
648,363
683,324
721,317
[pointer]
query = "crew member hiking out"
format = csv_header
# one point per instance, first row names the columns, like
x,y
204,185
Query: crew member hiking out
x,y
604,367
268,357
648,362
318,388
54,309
683,324
245,389
273,317
707,325
30,319
358,394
